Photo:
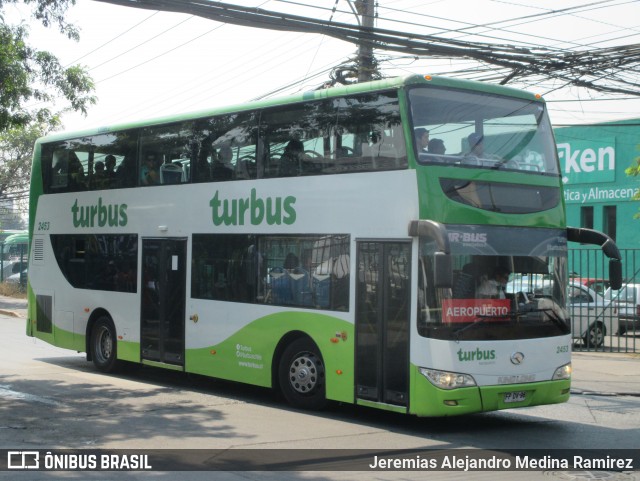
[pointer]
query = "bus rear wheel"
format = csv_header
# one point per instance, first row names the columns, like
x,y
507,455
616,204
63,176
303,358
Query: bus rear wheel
x,y
302,376
103,345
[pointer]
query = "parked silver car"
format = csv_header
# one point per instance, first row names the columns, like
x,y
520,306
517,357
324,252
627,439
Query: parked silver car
x,y
627,302
592,315
10,267
18,278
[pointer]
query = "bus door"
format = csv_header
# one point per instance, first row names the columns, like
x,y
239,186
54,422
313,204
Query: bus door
x,y
382,321
163,300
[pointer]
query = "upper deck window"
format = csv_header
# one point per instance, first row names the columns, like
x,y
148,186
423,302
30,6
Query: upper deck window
x,y
102,161
476,129
358,133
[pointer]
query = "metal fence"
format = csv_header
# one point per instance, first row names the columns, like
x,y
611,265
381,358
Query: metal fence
x,y
13,264
595,317
596,320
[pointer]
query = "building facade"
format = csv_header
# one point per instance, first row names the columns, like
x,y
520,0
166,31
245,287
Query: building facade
x,y
598,193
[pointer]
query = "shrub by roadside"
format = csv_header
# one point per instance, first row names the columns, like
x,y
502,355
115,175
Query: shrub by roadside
x,y
12,290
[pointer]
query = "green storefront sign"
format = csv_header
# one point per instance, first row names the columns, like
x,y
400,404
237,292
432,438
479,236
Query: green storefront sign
x,y
597,192
588,161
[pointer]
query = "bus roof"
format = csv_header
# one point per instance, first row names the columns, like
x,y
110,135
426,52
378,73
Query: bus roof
x,y
4,233
21,237
363,87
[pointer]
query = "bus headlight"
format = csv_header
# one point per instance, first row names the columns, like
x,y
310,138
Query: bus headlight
x,y
563,372
447,380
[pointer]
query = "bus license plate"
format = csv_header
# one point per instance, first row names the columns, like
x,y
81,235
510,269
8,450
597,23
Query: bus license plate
x,y
515,397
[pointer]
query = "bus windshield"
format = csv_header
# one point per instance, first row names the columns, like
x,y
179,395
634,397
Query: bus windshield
x,y
507,284
474,129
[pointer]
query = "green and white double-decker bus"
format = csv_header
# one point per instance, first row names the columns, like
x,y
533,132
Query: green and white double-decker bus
x,y
319,245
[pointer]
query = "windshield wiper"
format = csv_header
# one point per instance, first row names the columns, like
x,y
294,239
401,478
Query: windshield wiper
x,y
555,318
462,329
481,320
552,315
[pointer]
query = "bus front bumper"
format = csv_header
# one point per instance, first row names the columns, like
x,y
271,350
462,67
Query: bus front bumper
x,y
429,400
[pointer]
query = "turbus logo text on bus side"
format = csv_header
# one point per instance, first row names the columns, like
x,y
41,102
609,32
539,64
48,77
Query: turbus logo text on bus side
x,y
252,210
101,215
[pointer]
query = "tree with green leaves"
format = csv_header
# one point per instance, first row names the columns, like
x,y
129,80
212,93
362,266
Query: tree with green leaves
x,y
16,149
35,89
634,171
32,80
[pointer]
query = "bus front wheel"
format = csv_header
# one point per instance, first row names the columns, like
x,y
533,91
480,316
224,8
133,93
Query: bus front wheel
x,y
103,345
301,375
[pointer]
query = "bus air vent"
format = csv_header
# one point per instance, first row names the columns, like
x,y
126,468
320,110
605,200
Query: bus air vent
x,y
38,250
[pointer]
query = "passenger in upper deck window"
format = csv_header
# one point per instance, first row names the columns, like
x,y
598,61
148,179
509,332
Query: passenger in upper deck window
x,y
126,172
226,156
99,180
110,166
76,173
422,139
291,159
436,146
149,174
476,145
221,166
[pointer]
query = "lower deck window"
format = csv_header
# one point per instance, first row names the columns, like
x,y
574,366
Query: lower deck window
x,y
105,262
309,271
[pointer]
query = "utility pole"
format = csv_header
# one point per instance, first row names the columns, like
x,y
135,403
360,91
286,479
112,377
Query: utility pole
x,y
365,63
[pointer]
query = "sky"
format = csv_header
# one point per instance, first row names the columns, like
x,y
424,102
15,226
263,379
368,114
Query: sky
x,y
149,64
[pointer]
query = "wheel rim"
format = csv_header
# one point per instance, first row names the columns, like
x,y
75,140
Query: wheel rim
x,y
104,345
305,373
595,336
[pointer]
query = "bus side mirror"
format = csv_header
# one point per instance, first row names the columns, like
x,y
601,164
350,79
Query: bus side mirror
x,y
442,270
615,274
608,246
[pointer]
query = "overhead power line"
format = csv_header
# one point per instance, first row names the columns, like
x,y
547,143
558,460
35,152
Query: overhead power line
x,y
612,70
374,37
112,39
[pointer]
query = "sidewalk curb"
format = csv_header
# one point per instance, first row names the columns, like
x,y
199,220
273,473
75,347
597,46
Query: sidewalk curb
x,y
586,392
6,312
